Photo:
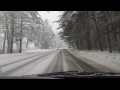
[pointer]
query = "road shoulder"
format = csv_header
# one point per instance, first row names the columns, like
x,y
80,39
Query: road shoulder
x,y
100,67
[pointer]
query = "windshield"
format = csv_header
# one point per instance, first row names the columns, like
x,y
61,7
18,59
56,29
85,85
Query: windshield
x,y
41,42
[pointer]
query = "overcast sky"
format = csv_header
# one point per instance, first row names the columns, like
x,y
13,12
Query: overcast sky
x,y
51,16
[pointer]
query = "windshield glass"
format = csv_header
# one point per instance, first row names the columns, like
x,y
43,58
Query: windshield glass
x,y
41,42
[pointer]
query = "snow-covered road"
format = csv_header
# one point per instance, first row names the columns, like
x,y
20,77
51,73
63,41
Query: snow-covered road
x,y
47,61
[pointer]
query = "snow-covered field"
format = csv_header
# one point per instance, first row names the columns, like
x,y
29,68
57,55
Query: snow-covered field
x,y
110,60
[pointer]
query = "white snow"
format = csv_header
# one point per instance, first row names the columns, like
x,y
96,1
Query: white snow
x,y
5,57
110,60
37,50
11,58
22,62
24,53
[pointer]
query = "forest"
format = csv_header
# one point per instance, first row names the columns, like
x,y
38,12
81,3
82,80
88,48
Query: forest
x,y
19,28
91,30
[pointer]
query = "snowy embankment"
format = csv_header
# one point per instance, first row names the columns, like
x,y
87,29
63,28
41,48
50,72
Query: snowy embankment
x,y
17,59
26,53
37,50
109,60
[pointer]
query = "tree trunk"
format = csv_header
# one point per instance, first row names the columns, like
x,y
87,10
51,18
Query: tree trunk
x,y
11,48
97,29
88,33
104,40
12,32
108,34
79,45
99,39
119,36
8,38
109,42
88,40
8,42
117,42
3,50
20,49
95,41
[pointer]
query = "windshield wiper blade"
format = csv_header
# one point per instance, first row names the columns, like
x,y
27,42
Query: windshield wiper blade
x,y
77,74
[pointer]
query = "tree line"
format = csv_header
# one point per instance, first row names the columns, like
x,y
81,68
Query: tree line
x,y
91,30
17,25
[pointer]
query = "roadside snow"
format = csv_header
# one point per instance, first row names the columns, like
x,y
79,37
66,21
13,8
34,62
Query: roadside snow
x,y
24,53
38,50
16,55
22,62
110,60
11,58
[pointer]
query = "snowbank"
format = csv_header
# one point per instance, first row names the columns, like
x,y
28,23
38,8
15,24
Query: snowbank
x,y
38,50
110,60
26,53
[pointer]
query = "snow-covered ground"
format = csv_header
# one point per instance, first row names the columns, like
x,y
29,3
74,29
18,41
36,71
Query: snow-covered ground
x,y
110,60
26,53
15,57
39,50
